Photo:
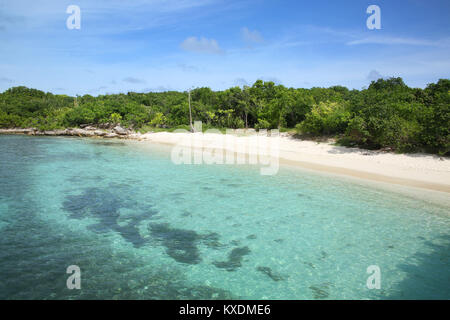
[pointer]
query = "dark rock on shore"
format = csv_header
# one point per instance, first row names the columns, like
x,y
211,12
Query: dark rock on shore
x,y
119,130
87,131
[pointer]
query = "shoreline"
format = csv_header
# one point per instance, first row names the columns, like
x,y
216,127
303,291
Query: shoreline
x,y
417,170
422,171
87,131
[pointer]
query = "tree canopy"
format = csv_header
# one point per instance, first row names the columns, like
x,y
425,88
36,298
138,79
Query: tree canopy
x,y
386,114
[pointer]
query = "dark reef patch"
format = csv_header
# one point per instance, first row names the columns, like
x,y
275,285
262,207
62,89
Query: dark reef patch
x,y
108,143
205,292
176,195
82,179
268,271
211,240
251,237
235,243
186,214
182,245
321,291
234,259
104,205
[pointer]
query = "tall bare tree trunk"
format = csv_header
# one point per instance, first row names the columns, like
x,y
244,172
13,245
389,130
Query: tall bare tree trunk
x,y
190,113
246,122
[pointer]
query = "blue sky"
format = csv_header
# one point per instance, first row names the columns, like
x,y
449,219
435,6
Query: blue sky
x,y
156,45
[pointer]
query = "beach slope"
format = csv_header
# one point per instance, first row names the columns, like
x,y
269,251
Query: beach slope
x,y
415,170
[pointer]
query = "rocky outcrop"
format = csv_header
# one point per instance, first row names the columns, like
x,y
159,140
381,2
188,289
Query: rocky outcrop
x,y
111,135
17,131
120,131
86,131
100,133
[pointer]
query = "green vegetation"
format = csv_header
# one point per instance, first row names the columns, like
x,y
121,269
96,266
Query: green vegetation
x,y
388,114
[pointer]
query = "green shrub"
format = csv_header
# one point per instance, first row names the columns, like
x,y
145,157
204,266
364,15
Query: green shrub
x,y
115,118
325,118
262,124
158,120
79,115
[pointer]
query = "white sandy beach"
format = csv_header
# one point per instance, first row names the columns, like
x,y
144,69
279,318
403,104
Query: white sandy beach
x,y
415,170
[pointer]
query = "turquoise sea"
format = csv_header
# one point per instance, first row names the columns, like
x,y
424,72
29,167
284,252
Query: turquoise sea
x,y
140,227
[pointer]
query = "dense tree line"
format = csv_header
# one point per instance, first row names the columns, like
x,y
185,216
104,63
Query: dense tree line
x,y
386,114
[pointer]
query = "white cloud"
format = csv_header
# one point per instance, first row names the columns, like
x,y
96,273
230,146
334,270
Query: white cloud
x,y
251,36
201,45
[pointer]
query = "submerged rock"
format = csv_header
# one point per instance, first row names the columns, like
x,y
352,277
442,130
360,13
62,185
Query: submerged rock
x,y
321,291
268,271
180,244
104,206
211,240
234,259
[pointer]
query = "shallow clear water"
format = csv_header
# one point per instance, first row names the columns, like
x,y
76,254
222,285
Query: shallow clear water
x,y
140,227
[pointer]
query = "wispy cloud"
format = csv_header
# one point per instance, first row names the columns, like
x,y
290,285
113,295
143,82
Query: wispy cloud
x,y
251,36
7,80
353,38
374,75
157,89
240,82
127,16
339,33
8,20
96,90
272,79
156,5
187,68
133,80
400,41
201,45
